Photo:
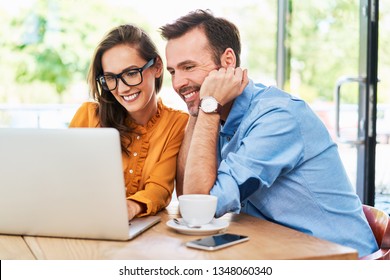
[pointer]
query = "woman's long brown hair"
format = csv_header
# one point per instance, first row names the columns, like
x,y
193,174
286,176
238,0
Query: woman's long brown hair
x,y
110,112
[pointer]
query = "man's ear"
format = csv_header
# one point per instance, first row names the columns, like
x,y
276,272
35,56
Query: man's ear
x,y
228,58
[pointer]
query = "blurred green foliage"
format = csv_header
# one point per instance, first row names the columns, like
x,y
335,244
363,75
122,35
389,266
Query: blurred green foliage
x,y
47,45
50,43
324,43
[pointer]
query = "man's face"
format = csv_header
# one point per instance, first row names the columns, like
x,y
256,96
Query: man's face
x,y
189,62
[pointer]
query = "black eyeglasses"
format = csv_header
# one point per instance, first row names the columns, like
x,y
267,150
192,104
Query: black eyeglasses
x,y
131,77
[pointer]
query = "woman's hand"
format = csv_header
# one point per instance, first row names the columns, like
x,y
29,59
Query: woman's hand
x,y
134,208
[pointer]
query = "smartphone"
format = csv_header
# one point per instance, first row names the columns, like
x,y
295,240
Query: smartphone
x,y
216,242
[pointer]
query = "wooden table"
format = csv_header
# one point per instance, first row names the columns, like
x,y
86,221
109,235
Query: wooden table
x,y
14,248
267,241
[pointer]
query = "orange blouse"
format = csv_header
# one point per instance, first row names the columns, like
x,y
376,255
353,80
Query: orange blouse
x,y
150,166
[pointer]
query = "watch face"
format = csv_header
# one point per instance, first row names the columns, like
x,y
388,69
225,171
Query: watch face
x,y
209,105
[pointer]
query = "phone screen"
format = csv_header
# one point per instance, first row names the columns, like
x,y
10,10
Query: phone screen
x,y
217,241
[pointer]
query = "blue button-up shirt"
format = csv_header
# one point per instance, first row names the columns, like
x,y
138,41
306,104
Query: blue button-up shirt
x,y
278,162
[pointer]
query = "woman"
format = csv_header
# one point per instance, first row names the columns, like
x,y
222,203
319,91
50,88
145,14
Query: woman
x,y
125,77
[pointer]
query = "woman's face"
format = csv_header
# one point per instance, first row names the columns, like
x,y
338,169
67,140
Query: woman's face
x,y
139,100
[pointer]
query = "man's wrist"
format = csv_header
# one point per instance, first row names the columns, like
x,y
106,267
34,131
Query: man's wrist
x,y
209,105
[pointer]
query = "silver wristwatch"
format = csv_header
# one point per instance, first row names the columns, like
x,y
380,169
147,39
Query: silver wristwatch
x,y
210,105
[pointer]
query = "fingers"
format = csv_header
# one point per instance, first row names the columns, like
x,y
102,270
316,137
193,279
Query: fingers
x,y
224,84
245,79
238,72
238,76
133,209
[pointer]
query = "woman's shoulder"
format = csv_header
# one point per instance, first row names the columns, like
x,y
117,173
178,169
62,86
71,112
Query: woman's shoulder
x,y
173,113
86,115
89,105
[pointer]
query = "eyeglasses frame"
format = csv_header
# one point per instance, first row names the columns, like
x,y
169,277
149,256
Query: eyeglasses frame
x,y
101,80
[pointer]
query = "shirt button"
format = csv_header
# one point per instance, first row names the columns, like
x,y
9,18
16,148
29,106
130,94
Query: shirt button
x,y
242,204
135,154
228,138
131,171
138,137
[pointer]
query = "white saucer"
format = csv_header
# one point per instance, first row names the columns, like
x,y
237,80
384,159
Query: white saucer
x,y
215,226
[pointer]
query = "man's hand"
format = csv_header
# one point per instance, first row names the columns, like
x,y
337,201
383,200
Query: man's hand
x,y
224,84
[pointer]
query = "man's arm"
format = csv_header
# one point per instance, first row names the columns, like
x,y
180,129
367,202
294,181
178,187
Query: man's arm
x,y
182,157
201,164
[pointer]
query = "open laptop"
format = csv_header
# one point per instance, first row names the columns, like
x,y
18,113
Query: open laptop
x,y
65,183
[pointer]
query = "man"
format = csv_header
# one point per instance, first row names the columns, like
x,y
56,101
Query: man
x,y
260,150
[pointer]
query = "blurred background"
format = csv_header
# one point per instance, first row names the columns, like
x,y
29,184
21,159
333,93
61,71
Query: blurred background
x,y
46,47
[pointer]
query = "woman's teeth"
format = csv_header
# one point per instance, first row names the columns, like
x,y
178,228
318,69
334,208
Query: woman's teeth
x,y
130,97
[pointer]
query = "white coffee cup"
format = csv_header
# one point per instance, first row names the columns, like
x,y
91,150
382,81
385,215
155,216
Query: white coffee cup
x,y
197,209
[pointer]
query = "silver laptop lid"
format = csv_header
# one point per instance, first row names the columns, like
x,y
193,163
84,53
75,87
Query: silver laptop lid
x,y
62,182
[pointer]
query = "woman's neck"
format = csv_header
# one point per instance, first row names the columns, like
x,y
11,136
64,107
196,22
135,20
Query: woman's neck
x,y
143,116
